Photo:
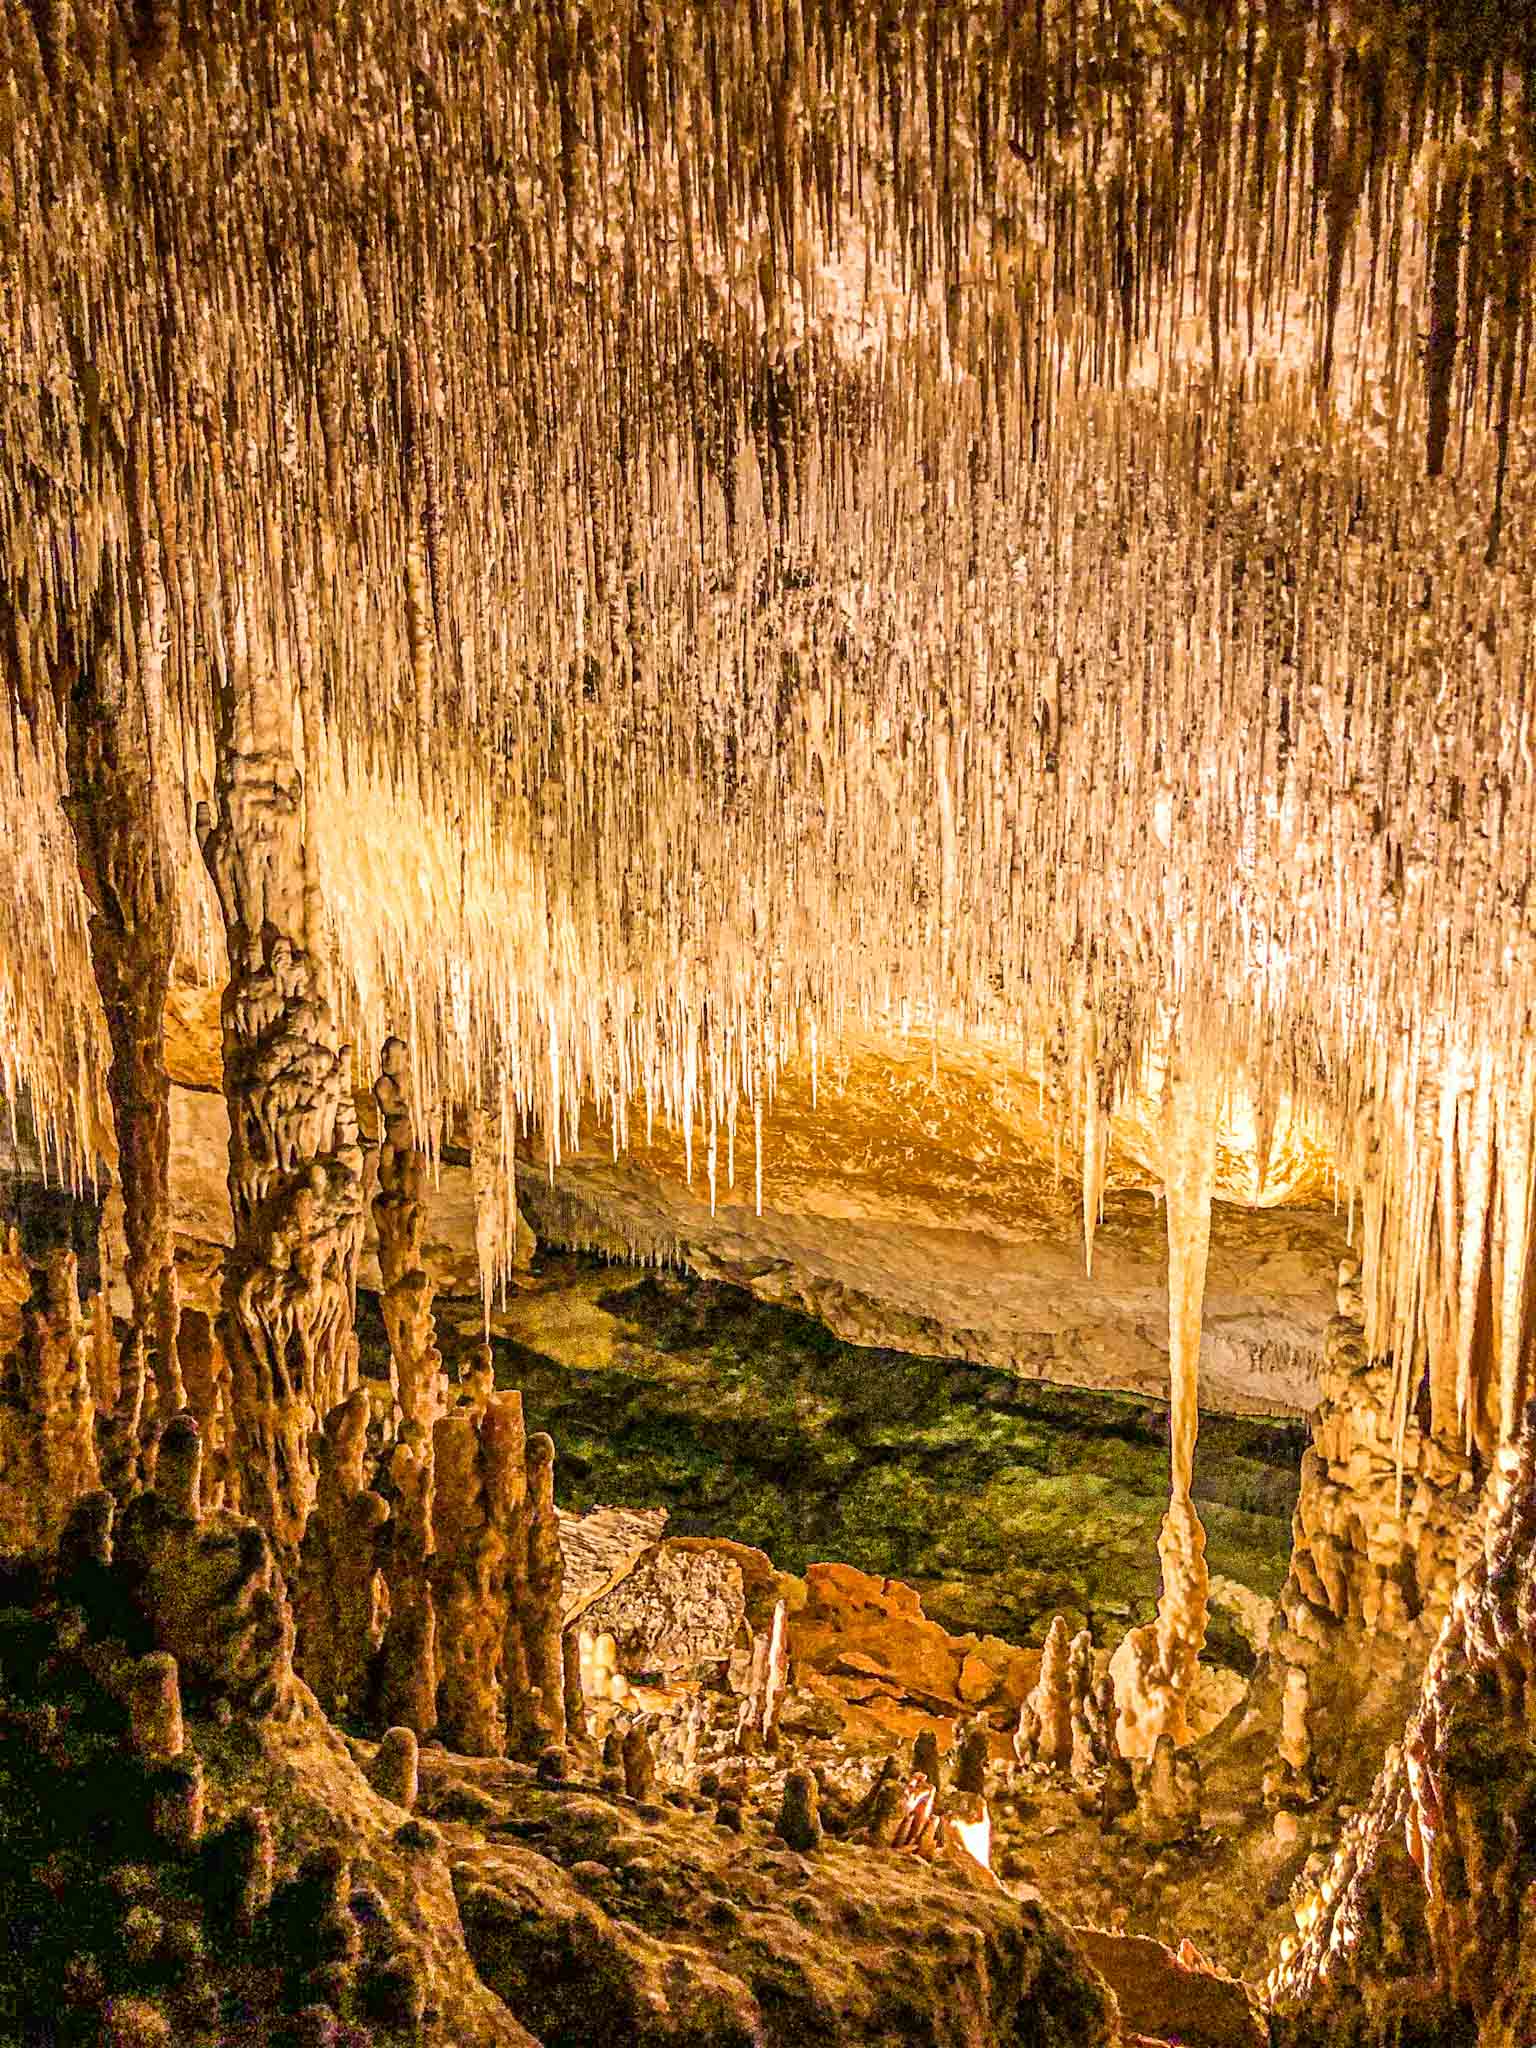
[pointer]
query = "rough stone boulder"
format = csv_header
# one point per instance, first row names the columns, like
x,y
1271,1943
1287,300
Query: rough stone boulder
x,y
677,1611
188,1859
1173,1996
602,1547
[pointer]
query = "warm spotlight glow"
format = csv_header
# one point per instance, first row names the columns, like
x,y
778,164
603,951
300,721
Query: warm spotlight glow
x,y
975,1836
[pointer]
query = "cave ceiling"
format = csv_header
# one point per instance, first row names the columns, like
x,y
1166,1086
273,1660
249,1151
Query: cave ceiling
x,y
793,533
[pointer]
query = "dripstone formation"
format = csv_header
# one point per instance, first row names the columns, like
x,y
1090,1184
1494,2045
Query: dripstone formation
x,y
582,564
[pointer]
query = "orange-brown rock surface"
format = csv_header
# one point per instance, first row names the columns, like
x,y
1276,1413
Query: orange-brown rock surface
x,y
867,1642
48,1455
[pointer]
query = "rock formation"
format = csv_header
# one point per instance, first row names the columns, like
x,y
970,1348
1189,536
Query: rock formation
x,y
684,551
48,1453
1168,1796
407,1674
1045,1725
341,1594
108,695
1154,1667
295,1155
674,1612
480,1521
800,1816
1424,1915
538,1600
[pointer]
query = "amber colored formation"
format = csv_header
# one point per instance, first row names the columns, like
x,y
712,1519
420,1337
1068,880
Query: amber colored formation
x,y
48,1453
406,1681
800,1815
295,1157
1383,1502
1154,1665
396,1767
405,1687
341,1595
537,1612
639,1763
496,1582
480,1485
1044,1733
108,685
1424,1916
400,1214
1168,1795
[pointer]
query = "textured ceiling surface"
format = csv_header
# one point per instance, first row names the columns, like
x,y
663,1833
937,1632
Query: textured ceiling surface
x,y
768,520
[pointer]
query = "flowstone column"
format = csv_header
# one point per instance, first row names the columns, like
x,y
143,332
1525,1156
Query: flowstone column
x,y
1425,1923
1154,1667
110,711
295,1157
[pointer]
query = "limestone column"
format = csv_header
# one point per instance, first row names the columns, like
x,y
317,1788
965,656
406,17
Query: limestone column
x,y
108,698
295,1156
1154,1667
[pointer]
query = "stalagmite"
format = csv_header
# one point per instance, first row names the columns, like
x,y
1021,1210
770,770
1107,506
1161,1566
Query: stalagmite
x,y
972,1760
475,1471
539,1616
800,1813
154,1705
341,1594
639,1763
406,1684
399,1212
47,1415
395,1767
925,1755
1168,1796
1046,1738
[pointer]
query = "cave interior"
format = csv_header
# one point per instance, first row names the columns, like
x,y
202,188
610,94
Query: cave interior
x,y
767,1023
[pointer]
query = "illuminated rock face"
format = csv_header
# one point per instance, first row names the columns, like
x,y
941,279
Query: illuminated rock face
x,y
956,1284
905,1210
1426,1910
